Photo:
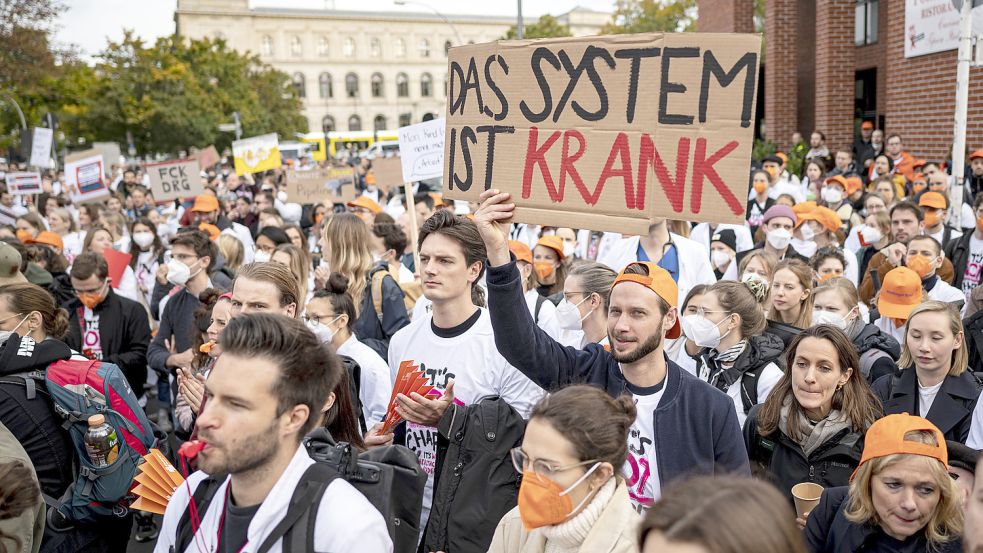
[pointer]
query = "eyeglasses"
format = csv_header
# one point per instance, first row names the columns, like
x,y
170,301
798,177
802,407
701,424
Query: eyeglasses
x,y
95,290
526,465
317,320
703,312
569,295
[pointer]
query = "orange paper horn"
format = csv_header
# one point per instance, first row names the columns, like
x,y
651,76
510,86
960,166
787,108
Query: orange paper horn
x,y
156,483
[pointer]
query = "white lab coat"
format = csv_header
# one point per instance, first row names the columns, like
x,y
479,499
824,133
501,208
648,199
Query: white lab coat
x,y
701,233
694,260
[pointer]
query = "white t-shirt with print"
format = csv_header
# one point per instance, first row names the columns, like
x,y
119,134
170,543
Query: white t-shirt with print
x,y
974,266
478,369
91,341
642,467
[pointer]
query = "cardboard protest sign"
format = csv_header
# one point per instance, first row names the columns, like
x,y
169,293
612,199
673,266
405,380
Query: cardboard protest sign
x,y
388,172
605,133
41,140
23,184
175,179
329,185
255,154
86,178
421,149
206,158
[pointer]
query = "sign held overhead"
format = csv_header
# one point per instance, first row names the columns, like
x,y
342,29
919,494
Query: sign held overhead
x,y
421,149
175,179
605,133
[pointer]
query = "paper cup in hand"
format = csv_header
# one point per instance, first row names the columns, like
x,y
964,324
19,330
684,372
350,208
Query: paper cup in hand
x,y
806,497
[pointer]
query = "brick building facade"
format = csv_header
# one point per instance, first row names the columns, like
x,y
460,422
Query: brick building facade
x,y
816,77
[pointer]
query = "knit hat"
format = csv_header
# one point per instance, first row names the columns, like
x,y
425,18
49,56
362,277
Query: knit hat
x,y
780,211
726,237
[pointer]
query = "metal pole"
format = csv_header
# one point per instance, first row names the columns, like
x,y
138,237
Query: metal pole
x,y
238,124
440,15
23,121
519,31
962,106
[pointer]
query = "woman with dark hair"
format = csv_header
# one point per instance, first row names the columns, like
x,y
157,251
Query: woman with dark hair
x,y
811,427
267,241
147,253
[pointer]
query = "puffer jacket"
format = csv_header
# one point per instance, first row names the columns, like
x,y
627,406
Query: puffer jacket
x,y
879,352
761,351
781,460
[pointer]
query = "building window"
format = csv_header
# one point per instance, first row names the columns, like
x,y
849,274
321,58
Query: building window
x,y
349,47
399,48
447,47
267,47
351,85
327,124
375,47
299,85
323,47
426,85
405,119
865,22
296,47
324,85
354,123
402,85
379,123
377,85
424,48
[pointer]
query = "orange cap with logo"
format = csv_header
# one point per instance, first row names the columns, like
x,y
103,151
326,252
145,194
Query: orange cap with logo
x,y
900,293
886,437
659,281
521,251
554,243
933,200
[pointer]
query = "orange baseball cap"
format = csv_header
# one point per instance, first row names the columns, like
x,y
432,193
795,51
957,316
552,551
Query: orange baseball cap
x,y
802,208
366,202
659,281
839,179
212,230
783,157
867,125
853,185
978,154
886,437
205,203
554,243
932,199
48,238
521,251
827,218
900,293
438,199
918,163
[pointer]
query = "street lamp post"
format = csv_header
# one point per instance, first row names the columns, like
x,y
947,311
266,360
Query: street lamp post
x,y
434,10
519,31
23,121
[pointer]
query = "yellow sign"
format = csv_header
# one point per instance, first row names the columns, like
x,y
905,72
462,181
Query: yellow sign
x,y
256,154
321,153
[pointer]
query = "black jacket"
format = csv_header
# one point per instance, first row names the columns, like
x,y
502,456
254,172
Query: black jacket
x,y
176,321
370,329
783,462
61,288
952,410
785,332
828,531
760,351
884,352
973,331
957,252
124,334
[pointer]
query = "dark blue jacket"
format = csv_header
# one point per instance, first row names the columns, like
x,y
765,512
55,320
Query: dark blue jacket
x,y
696,428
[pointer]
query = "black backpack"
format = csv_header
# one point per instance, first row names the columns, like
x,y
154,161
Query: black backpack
x,y
389,477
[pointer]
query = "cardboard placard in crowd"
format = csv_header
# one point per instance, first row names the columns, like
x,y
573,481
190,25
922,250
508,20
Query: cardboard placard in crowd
x,y
175,179
41,141
605,133
421,149
206,158
328,185
256,154
388,172
86,177
24,184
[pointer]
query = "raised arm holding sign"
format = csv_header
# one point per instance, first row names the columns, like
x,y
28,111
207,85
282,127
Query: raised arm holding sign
x,y
605,133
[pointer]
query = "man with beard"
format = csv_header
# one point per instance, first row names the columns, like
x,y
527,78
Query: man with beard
x,y
267,390
684,425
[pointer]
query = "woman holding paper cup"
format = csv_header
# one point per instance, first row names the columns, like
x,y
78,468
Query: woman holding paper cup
x,y
900,499
810,429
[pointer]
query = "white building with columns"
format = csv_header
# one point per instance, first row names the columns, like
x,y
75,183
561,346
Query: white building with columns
x,y
357,70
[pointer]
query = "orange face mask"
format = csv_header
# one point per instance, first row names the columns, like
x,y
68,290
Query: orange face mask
x,y
920,265
829,276
979,223
760,187
90,299
931,219
23,235
772,170
918,187
544,269
542,502
898,323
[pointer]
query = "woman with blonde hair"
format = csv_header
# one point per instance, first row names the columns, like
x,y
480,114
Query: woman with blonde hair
x,y
232,251
759,266
60,222
300,265
900,499
933,381
346,247
791,294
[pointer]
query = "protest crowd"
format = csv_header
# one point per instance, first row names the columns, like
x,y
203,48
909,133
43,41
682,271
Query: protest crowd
x,y
404,372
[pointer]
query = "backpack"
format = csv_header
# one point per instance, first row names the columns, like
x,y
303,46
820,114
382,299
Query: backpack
x,y
389,477
411,290
78,390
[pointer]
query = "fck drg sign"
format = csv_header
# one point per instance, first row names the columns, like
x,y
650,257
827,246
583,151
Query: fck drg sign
x,y
175,179
605,133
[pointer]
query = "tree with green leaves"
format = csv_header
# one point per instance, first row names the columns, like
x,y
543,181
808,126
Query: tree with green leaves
x,y
546,27
647,16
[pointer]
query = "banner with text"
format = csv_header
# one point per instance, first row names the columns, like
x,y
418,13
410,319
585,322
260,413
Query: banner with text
x,y
605,133
175,179
86,179
933,26
24,184
257,153
334,185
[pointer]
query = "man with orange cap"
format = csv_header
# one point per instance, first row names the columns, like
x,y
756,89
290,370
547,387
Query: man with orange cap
x,y
935,206
207,211
900,293
974,178
924,256
863,151
684,425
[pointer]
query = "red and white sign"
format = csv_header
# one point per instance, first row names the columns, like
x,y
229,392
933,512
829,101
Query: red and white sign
x,y
933,26
23,184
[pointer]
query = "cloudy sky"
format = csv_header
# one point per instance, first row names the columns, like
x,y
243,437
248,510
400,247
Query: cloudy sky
x,y
89,24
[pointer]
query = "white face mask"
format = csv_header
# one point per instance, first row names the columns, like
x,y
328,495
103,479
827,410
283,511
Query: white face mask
x,y
261,257
568,249
804,247
323,331
779,238
6,334
143,239
568,314
832,319
832,195
178,273
806,231
719,258
702,331
869,235
282,196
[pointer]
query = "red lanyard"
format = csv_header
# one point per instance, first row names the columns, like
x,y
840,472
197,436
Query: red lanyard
x,y
221,522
